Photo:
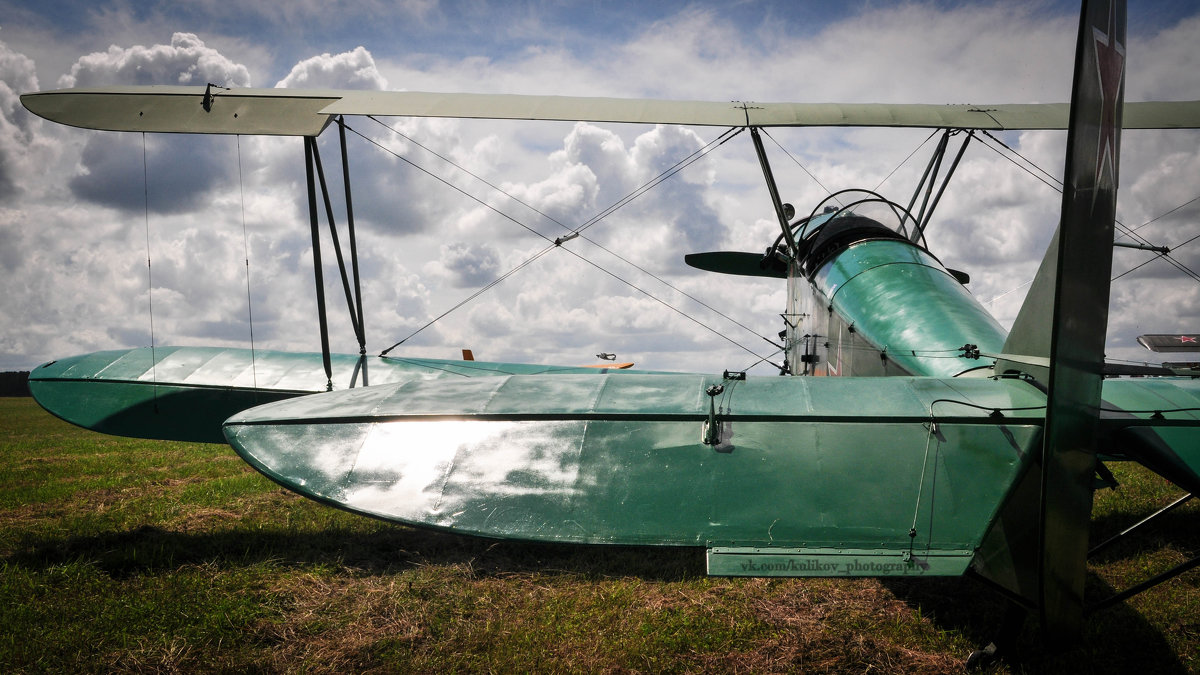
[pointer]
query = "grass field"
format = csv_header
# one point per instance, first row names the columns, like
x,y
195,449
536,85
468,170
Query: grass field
x,y
127,555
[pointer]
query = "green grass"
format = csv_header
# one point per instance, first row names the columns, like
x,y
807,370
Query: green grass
x,y
127,555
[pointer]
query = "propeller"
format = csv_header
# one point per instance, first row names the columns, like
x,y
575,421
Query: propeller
x,y
741,263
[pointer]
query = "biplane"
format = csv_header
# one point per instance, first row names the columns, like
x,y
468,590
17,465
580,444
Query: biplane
x,y
912,435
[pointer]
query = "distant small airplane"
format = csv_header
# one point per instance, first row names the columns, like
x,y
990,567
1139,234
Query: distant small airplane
x,y
1170,343
948,446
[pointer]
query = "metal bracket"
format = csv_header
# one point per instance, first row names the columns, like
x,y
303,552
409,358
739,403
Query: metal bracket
x,y
712,426
209,96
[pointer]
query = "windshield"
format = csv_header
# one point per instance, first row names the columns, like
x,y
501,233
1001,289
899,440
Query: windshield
x,y
847,217
861,204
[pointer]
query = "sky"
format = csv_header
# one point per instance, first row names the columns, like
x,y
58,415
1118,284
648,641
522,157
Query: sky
x,y
223,220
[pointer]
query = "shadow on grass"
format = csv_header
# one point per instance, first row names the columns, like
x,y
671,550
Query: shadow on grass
x,y
1117,639
386,550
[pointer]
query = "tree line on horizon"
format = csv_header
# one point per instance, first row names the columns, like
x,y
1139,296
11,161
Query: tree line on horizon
x,y
14,383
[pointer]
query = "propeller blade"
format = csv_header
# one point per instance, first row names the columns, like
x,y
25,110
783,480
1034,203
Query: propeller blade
x,y
737,262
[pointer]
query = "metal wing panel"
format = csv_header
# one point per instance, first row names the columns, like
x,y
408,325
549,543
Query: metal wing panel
x,y
738,114
524,107
652,482
561,396
1149,394
279,112
296,112
508,458
1161,115
996,117
185,393
1156,422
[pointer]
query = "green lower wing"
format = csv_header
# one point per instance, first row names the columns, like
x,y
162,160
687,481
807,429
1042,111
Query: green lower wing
x,y
810,475
1155,421
185,393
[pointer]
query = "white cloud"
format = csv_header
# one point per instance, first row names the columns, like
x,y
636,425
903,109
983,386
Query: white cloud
x,y
17,126
470,266
186,61
354,69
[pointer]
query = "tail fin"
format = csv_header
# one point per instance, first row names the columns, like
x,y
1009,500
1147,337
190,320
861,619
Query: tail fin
x,y
1066,354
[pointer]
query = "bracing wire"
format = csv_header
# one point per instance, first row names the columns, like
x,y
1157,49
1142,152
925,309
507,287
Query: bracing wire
x,y
931,431
685,315
1029,167
1008,292
827,190
1163,255
246,253
664,175
1164,215
494,282
797,163
905,160
653,183
765,360
1057,185
149,273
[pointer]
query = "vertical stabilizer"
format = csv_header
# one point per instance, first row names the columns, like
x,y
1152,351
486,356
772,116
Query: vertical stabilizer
x,y
1066,354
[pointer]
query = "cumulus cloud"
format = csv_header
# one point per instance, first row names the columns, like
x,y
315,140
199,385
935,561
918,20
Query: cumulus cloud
x,y
186,61
112,172
596,170
471,265
184,170
354,69
17,127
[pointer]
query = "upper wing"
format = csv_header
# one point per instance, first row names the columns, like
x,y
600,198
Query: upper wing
x,y
295,112
273,112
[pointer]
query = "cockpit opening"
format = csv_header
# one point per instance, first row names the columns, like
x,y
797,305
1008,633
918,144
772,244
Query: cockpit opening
x,y
845,218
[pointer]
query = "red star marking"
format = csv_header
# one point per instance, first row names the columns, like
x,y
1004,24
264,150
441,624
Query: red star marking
x,y
1110,67
1186,338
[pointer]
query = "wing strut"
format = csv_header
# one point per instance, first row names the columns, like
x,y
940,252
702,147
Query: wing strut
x,y
770,178
312,159
310,146
360,328
927,180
